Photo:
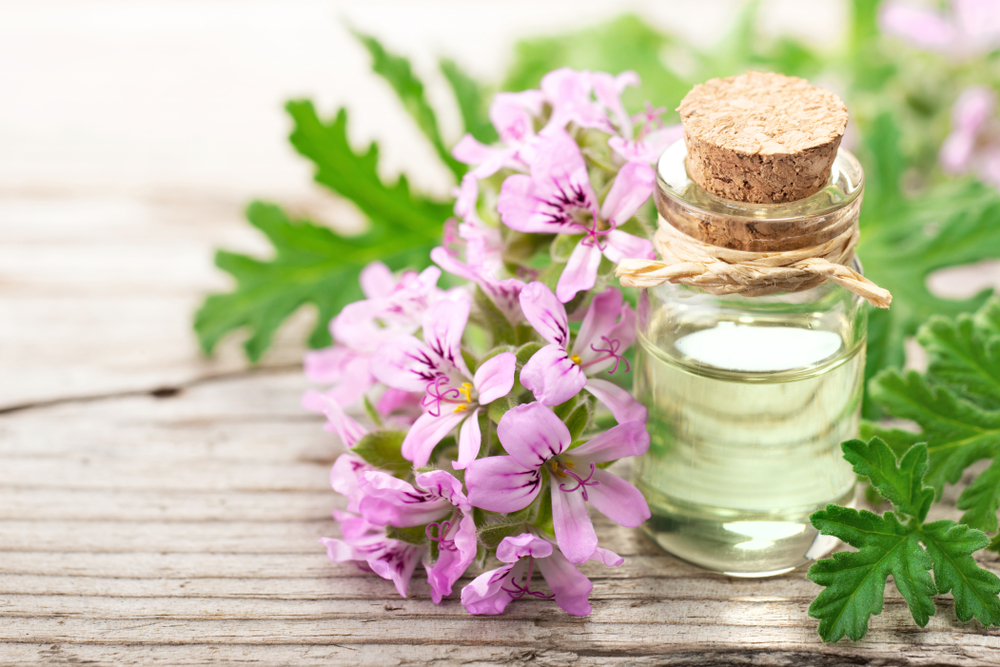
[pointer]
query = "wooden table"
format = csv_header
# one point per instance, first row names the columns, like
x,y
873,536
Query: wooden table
x,y
160,508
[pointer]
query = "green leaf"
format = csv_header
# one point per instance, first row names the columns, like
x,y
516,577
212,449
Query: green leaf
x,y
958,433
901,484
382,449
578,420
855,581
498,526
975,590
499,407
492,319
527,351
410,535
982,499
965,355
311,265
471,103
396,70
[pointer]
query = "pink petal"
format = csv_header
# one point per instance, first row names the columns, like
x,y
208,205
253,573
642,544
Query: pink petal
x,y
452,564
393,400
501,484
574,531
406,363
921,27
974,107
354,527
452,265
347,429
426,433
989,169
513,122
608,557
600,319
545,313
580,273
444,324
495,377
488,158
340,551
568,91
617,499
631,189
521,207
532,434
344,478
552,377
487,594
513,548
621,245
376,280
442,483
622,404
397,564
388,501
470,439
628,439
571,588
466,196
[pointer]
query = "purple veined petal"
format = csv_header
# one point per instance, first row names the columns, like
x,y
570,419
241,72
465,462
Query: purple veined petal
x,y
505,294
618,442
376,280
354,527
396,563
580,273
622,245
451,563
340,551
470,439
617,499
495,377
532,434
921,27
344,478
406,363
606,556
513,548
444,323
426,433
523,206
486,593
443,484
347,429
389,501
624,330
501,484
551,376
620,402
570,586
631,189
545,313
574,531
600,319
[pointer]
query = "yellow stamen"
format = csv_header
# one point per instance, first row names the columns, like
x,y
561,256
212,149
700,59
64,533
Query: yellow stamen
x,y
461,408
466,389
555,469
575,358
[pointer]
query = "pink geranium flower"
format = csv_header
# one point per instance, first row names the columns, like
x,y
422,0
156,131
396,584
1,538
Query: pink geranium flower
x,y
437,502
970,27
513,115
492,591
452,395
365,543
536,440
558,371
557,198
974,142
392,307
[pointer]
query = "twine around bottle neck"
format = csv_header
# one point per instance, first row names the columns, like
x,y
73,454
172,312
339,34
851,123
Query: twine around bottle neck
x,y
720,270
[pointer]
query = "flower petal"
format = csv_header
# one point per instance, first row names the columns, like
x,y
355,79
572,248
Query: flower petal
x,y
580,273
921,27
552,376
570,586
495,377
406,363
489,159
501,484
444,323
344,478
532,434
622,245
631,189
487,594
574,531
470,439
397,563
608,557
628,439
513,548
545,313
347,429
452,563
622,404
617,499
426,433
389,501
442,483
376,280
600,319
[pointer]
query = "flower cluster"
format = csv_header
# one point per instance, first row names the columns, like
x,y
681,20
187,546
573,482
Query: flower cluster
x,y
494,406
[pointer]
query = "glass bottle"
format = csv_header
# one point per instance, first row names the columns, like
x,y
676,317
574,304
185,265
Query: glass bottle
x,y
749,397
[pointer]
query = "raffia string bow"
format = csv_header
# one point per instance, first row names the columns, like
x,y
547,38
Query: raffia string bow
x,y
719,270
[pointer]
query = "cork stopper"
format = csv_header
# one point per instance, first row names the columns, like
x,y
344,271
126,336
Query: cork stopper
x,y
761,137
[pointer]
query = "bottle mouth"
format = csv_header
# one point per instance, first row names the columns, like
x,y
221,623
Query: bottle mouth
x,y
738,225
